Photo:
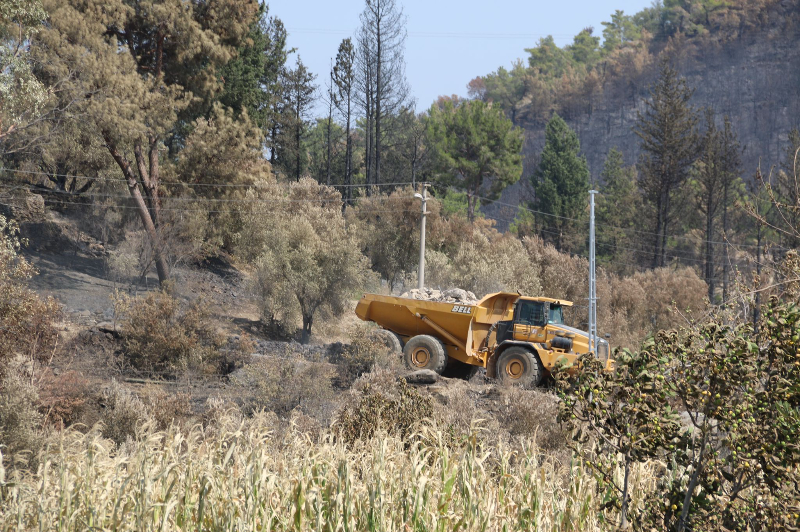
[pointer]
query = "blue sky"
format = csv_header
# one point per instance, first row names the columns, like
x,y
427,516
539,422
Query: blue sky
x,y
449,42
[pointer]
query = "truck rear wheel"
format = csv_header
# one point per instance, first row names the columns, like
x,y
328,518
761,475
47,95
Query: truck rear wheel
x,y
425,352
389,339
520,367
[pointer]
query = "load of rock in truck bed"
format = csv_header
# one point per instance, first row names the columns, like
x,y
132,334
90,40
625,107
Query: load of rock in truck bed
x,y
453,295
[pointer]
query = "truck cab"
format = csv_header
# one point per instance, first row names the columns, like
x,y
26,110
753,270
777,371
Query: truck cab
x,y
538,327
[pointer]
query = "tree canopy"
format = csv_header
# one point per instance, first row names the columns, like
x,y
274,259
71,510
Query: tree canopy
x,y
561,181
476,149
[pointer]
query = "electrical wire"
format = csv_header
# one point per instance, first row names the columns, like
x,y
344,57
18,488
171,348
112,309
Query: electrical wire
x,y
183,183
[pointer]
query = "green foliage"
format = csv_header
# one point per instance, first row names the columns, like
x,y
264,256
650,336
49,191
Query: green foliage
x,y
585,48
250,79
22,95
506,88
625,411
618,212
670,146
621,30
734,463
561,182
474,143
566,80
307,259
288,144
547,59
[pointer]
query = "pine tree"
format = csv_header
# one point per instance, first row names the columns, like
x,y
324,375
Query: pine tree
x,y
344,80
709,183
561,182
731,163
382,42
618,211
670,146
143,65
474,145
250,80
299,90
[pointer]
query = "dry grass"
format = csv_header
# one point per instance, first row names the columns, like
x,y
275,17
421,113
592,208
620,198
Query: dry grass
x,y
242,474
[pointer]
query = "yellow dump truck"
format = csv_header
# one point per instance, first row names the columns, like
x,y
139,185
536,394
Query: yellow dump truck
x,y
517,339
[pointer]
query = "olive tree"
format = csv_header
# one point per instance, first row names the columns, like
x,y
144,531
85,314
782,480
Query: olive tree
x,y
309,262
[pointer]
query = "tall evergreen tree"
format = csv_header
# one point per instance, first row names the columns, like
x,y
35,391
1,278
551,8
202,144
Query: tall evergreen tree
x,y
382,39
299,88
670,147
344,81
476,149
731,163
250,80
142,64
710,193
561,182
618,212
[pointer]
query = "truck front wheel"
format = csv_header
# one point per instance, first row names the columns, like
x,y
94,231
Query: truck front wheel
x,y
425,352
520,367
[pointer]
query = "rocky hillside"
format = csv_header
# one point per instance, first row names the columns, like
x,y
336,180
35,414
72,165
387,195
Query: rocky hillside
x,y
754,79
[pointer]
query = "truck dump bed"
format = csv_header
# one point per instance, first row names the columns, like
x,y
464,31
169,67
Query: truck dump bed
x,y
463,328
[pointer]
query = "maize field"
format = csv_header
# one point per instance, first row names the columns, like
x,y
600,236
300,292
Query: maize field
x,y
242,475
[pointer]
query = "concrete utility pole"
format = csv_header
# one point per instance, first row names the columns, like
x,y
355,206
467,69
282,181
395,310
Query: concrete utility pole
x,y
424,198
592,279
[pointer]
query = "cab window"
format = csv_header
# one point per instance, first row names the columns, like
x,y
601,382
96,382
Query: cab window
x,y
556,316
530,313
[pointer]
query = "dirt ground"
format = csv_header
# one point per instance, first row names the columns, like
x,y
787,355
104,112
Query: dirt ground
x,y
73,269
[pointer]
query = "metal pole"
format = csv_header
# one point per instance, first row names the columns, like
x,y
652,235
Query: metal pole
x,y
592,279
424,198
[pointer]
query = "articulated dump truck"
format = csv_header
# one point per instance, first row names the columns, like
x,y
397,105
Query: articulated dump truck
x,y
517,339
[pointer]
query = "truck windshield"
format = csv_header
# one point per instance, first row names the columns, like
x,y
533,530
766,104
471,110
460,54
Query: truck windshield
x,y
530,313
556,315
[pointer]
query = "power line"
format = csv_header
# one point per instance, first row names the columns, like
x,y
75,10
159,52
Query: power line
x,y
680,237
202,199
440,34
183,183
210,211
360,185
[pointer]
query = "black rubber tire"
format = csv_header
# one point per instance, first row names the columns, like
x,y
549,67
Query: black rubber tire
x,y
425,352
392,342
519,367
456,369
